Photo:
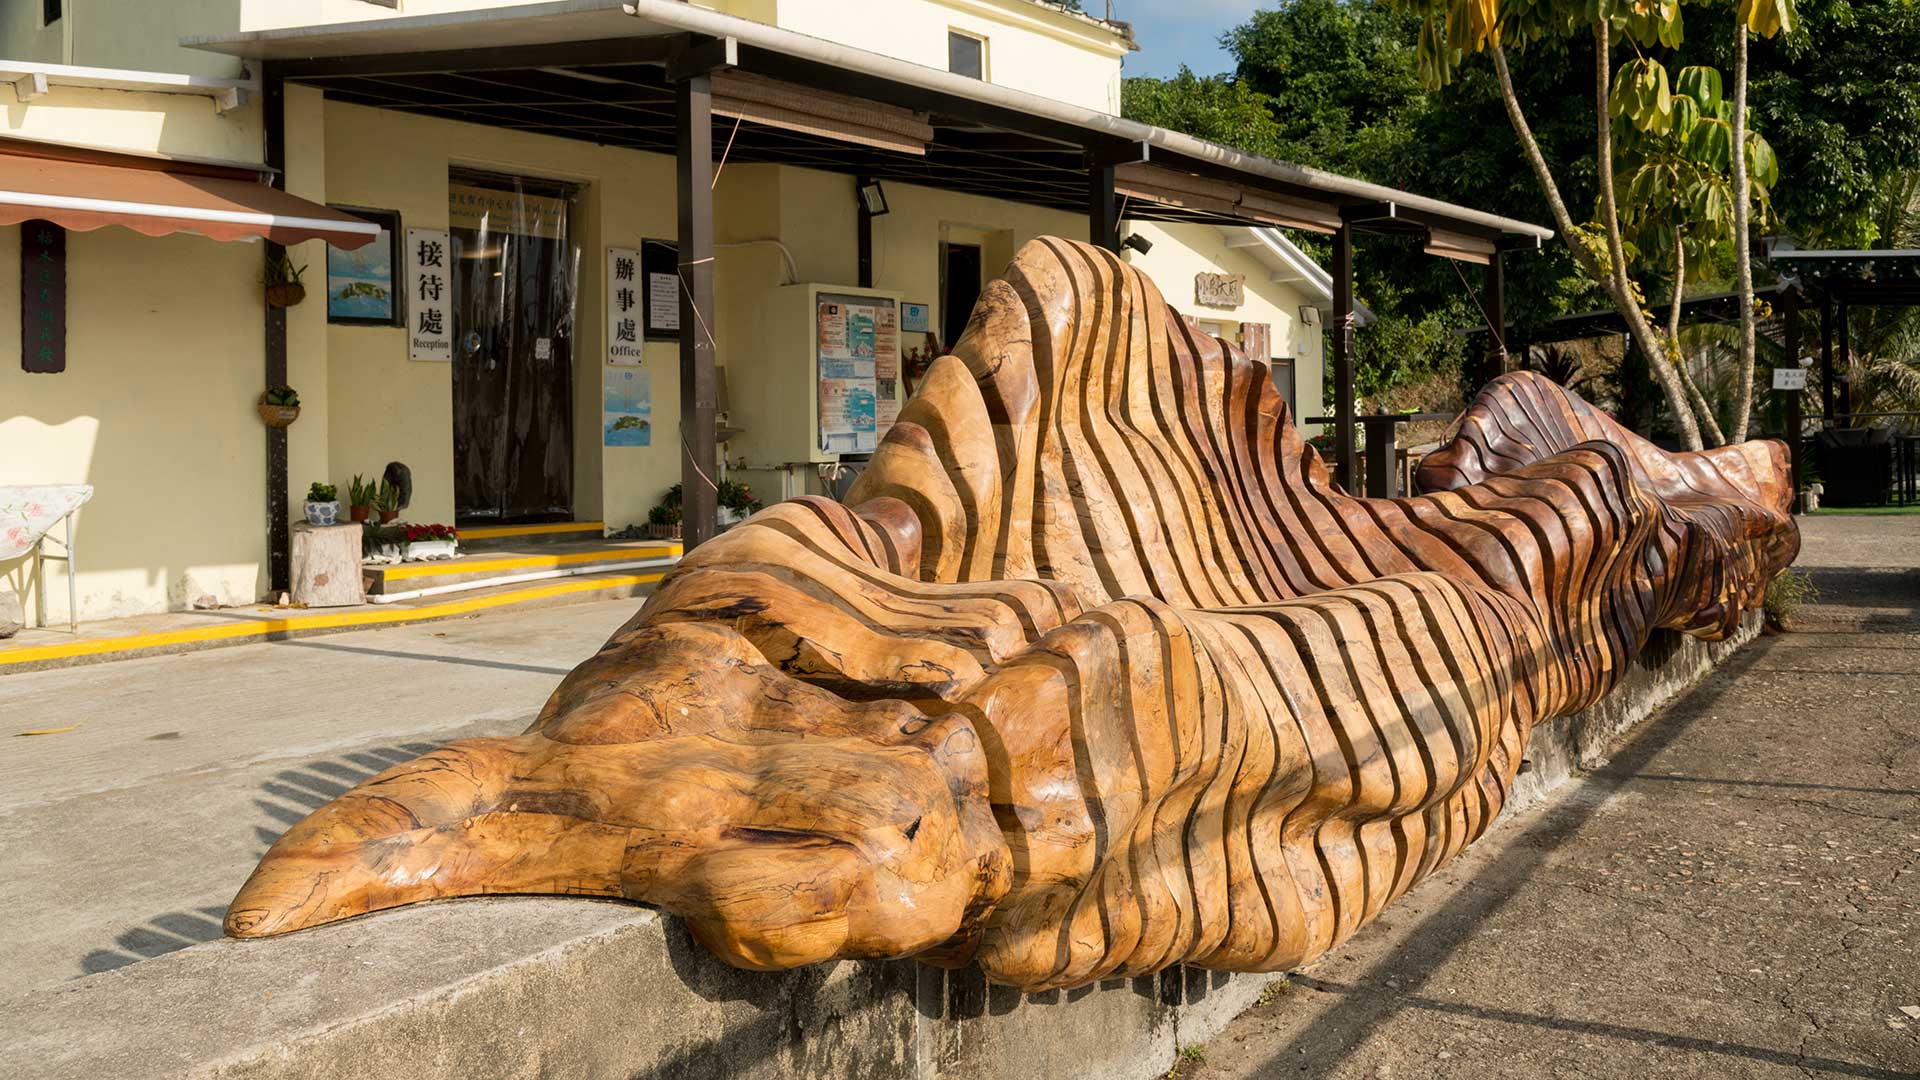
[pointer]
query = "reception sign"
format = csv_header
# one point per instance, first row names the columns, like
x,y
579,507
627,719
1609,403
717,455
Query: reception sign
x,y
429,295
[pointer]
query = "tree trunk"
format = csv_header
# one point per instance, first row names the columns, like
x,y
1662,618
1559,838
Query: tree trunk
x,y
1636,319
1742,240
1694,395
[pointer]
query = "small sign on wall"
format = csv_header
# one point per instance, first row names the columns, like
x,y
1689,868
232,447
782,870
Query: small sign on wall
x,y
660,265
915,318
1220,290
430,295
626,409
1789,378
624,308
43,297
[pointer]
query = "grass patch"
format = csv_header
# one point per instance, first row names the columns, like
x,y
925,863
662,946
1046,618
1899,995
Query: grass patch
x,y
1867,511
1786,594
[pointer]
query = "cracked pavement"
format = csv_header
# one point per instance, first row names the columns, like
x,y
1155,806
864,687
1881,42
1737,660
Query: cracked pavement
x,y
1735,893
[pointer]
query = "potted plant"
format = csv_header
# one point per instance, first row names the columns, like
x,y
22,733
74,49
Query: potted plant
x,y
279,406
360,498
663,522
284,289
323,504
736,502
424,542
387,501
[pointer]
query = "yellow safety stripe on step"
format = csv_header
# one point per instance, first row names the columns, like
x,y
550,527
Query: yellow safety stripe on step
x,y
495,532
345,620
445,567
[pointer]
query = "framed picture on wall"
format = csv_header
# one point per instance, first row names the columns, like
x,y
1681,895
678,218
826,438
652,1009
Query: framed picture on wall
x,y
361,290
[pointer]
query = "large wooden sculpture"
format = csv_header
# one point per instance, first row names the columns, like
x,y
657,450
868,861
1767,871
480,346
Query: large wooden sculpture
x,y
1094,672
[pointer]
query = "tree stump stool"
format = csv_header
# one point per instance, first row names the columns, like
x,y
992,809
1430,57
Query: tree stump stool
x,y
326,565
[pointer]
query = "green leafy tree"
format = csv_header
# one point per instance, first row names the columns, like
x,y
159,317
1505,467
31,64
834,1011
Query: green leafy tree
x,y
1219,108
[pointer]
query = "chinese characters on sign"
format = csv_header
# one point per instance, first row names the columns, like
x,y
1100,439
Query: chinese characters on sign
x,y
858,341
660,268
429,295
623,306
1220,290
43,297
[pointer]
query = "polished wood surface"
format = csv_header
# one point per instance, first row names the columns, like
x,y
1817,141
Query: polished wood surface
x,y
1094,672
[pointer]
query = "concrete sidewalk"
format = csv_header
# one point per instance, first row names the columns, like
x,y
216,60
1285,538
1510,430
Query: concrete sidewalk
x,y
126,837
1735,894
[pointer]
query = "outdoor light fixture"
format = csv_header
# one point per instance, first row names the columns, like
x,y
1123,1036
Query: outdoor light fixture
x,y
1309,315
874,198
1138,243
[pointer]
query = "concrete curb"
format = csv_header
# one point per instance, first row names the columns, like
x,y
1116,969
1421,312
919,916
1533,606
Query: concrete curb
x,y
539,987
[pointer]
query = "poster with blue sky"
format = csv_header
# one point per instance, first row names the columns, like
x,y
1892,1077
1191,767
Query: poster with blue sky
x,y
626,411
360,282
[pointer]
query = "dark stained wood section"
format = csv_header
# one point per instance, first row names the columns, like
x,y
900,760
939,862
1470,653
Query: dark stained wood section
x,y
1096,671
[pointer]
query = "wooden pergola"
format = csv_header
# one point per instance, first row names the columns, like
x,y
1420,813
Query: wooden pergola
x,y
654,75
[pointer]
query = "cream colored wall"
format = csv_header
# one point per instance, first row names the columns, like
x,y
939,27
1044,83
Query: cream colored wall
x,y
22,37
180,124
144,35
383,407
1181,251
1031,48
156,410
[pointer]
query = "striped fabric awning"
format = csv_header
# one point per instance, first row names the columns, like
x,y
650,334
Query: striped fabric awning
x,y
84,189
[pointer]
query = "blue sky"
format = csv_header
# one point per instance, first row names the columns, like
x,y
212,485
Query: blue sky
x,y
1175,32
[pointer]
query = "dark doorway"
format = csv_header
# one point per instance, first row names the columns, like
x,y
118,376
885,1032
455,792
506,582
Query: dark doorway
x,y
515,266
959,288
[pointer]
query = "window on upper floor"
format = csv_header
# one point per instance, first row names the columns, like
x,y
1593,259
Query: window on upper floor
x,y
49,12
966,55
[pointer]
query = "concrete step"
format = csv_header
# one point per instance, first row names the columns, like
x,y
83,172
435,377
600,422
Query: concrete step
x,y
482,568
478,538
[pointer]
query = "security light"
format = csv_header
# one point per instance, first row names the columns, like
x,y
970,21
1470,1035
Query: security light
x,y
1138,243
874,198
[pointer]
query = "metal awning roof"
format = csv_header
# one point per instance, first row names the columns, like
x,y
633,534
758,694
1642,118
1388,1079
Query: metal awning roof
x,y
598,70
1866,276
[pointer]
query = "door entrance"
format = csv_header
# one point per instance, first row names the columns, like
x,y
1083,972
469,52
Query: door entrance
x,y
513,291
959,288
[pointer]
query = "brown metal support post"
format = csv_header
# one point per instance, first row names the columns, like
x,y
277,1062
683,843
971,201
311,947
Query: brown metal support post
x,y
693,115
1845,344
865,232
1790,338
1344,465
1498,358
1826,359
1382,440
1103,215
279,534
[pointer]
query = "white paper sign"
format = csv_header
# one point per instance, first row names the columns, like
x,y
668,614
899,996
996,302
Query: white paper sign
x,y
623,306
1789,378
663,299
429,295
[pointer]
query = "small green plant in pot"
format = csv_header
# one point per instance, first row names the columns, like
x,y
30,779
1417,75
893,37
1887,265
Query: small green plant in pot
x,y
284,289
361,495
387,501
279,406
323,504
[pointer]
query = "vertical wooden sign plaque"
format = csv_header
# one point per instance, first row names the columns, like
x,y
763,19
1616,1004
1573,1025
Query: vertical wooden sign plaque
x,y
43,297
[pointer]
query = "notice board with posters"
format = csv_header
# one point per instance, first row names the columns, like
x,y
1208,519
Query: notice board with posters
x,y
857,348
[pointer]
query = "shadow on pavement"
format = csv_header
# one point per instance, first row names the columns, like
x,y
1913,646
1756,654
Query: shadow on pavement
x,y
285,797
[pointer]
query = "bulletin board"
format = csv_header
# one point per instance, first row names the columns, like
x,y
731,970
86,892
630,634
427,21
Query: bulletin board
x,y
660,271
857,349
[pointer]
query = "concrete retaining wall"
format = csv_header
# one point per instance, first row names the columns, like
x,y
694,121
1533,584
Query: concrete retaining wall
x,y
583,989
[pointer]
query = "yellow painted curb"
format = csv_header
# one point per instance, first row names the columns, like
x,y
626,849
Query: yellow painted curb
x,y
495,532
443,568
345,620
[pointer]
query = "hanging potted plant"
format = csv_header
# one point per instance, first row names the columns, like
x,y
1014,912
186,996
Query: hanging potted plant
x,y
284,289
361,495
387,502
279,406
323,504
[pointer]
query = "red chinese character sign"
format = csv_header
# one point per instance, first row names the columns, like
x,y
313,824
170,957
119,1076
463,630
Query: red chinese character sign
x,y
429,295
43,297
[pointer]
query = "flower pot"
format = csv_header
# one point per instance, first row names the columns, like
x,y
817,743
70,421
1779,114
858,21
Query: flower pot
x,y
286,294
278,415
360,513
323,513
425,550
387,516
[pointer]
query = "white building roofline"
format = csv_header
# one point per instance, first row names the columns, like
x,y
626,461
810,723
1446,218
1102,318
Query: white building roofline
x,y
559,21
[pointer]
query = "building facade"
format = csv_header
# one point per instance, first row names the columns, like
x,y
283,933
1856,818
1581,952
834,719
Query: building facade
x,y
548,389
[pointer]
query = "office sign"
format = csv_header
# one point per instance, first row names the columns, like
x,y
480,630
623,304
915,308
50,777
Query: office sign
x,y
625,302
